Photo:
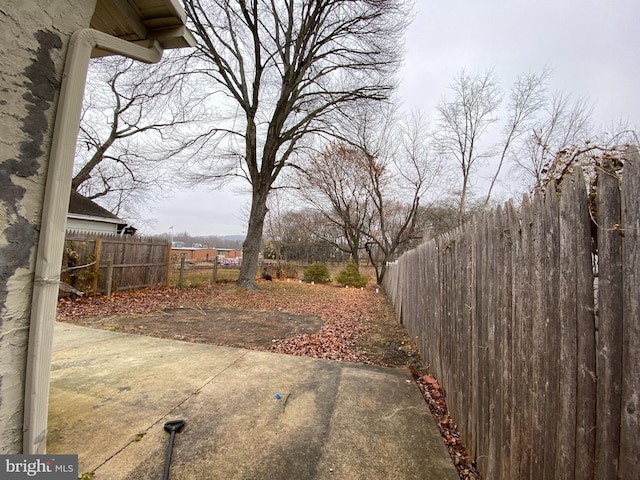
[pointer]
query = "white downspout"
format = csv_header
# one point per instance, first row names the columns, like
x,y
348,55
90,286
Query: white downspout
x,y
54,219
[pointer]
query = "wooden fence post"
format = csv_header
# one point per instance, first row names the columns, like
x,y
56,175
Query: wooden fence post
x,y
214,278
167,270
97,252
109,275
183,256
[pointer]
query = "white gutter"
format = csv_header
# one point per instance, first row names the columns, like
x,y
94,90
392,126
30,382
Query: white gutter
x,y
79,216
53,225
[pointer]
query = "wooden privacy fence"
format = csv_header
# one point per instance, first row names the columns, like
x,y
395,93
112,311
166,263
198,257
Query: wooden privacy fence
x,y
102,263
540,358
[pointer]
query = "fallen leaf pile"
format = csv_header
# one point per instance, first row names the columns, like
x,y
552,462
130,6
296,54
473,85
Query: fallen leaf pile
x,y
134,302
359,326
345,319
435,395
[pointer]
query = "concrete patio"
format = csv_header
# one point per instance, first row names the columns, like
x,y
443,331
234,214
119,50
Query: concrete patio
x,y
111,394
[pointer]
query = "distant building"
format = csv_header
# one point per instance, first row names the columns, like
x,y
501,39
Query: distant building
x,y
224,256
87,216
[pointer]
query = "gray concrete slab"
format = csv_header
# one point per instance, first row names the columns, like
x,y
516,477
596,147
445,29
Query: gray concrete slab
x,y
111,394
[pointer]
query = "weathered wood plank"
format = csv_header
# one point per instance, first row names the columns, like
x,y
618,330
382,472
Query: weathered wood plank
x,y
576,436
522,429
609,346
517,417
495,271
509,223
467,359
481,366
552,339
630,438
585,324
567,367
538,337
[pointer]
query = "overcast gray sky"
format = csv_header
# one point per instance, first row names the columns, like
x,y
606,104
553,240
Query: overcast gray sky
x,y
592,46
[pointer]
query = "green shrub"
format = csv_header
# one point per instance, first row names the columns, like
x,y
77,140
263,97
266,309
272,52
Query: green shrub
x,y
351,276
317,273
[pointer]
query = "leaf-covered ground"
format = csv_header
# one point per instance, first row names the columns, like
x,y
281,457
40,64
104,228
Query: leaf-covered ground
x,y
322,321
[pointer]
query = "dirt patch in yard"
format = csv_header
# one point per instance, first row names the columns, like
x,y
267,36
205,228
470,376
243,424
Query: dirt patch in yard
x,y
323,321
212,325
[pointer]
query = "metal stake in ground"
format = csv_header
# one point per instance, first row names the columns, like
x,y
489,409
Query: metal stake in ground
x,y
172,427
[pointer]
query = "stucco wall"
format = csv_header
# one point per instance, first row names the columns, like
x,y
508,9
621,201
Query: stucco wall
x,y
33,39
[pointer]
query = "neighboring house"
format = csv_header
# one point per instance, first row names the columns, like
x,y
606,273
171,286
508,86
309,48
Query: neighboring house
x,y
87,216
45,51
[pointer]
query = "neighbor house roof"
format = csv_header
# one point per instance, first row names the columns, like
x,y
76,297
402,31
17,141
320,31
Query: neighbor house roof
x,y
81,207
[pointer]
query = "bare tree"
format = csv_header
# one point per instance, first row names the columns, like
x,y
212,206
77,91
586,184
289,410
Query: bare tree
x,y
462,122
335,183
401,172
372,193
304,235
133,121
527,98
288,66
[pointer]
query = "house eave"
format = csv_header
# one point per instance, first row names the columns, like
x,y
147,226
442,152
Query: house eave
x,y
142,22
77,216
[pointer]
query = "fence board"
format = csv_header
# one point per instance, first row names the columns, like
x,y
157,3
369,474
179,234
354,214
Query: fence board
x,y
630,440
445,321
568,365
609,342
518,441
526,344
506,319
468,375
480,332
515,441
552,339
538,375
493,354
585,324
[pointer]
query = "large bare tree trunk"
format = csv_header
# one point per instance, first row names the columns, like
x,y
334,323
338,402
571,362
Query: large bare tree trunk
x,y
251,247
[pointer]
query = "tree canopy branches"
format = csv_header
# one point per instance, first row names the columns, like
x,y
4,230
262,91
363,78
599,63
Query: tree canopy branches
x,y
290,66
133,116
